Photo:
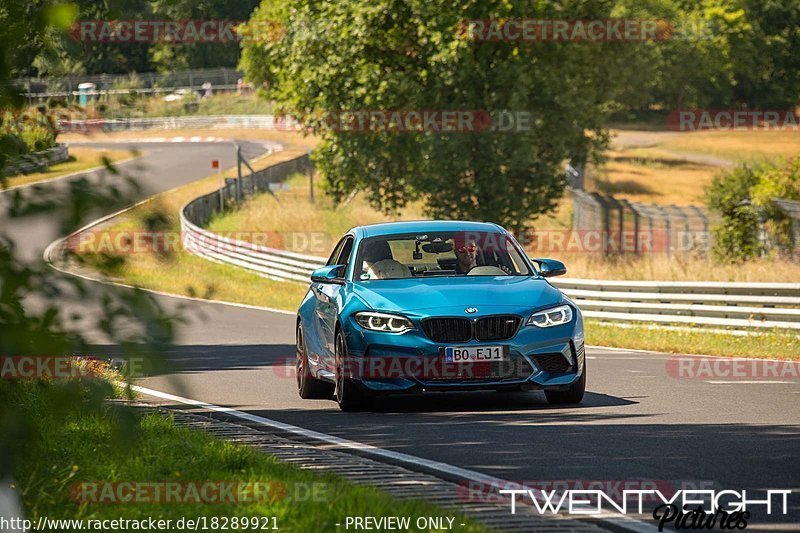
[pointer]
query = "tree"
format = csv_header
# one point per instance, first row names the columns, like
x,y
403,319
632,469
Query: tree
x,y
168,57
410,55
766,59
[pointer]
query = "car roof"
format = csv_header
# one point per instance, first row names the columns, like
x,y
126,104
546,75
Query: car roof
x,y
419,226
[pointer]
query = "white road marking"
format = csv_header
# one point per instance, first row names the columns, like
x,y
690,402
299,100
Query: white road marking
x,y
436,466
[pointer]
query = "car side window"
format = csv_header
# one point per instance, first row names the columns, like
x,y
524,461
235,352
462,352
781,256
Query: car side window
x,y
346,252
336,252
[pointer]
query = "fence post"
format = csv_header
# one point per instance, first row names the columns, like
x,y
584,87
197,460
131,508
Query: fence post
x,y
310,178
238,174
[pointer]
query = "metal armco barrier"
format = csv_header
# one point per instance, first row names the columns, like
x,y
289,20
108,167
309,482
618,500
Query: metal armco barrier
x,y
740,306
261,122
265,261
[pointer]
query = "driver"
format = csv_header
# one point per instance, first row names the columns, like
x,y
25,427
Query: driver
x,y
466,254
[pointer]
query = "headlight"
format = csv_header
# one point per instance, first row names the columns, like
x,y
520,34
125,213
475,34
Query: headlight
x,y
551,317
384,322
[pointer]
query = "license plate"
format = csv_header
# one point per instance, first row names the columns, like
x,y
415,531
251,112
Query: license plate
x,y
475,354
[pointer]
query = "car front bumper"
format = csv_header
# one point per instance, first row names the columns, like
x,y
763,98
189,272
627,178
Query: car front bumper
x,y
538,358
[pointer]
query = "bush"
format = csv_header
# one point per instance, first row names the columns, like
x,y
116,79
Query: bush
x,y
30,131
778,182
38,138
749,221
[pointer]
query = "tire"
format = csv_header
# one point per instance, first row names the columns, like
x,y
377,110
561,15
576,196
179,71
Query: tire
x,y
347,394
572,395
309,387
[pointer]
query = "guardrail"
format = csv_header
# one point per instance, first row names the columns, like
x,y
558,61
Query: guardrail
x,y
265,261
740,306
262,122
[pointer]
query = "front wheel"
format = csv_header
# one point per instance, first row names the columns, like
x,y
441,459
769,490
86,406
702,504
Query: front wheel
x,y
348,396
308,386
574,394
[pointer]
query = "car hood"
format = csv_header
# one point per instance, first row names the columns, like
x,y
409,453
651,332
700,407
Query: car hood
x,y
445,293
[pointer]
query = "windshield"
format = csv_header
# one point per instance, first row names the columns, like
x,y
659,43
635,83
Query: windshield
x,y
450,254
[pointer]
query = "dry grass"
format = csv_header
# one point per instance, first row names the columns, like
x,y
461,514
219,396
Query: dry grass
x,y
676,268
80,159
738,146
648,175
294,223
675,168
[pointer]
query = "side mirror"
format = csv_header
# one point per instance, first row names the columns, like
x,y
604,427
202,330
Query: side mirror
x,y
329,274
550,267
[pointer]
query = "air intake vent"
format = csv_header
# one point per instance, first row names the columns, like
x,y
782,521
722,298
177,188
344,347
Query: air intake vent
x,y
448,329
497,328
554,364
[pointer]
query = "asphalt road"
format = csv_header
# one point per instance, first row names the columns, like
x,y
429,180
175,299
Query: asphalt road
x,y
636,422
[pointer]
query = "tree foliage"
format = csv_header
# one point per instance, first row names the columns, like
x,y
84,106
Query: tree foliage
x,y
750,223
35,318
410,55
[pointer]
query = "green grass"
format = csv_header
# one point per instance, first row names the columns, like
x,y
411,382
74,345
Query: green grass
x,y
118,445
769,345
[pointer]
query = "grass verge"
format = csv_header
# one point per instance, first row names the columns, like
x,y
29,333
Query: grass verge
x,y
767,345
81,450
80,159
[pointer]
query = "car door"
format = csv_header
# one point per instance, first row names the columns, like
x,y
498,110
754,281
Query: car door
x,y
328,297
